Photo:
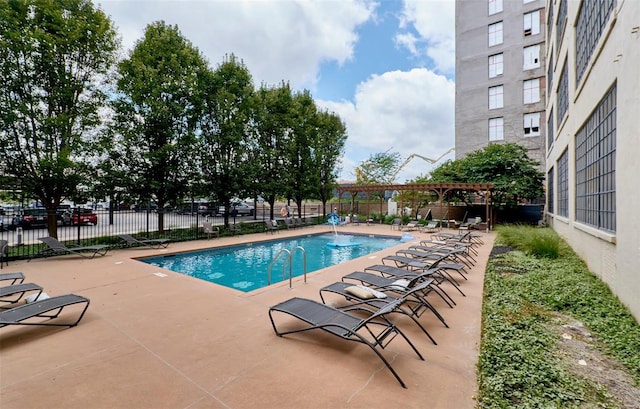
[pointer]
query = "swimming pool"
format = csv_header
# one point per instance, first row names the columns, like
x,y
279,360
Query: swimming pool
x,y
245,267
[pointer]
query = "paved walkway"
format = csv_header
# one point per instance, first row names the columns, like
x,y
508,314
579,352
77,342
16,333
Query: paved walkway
x,y
149,341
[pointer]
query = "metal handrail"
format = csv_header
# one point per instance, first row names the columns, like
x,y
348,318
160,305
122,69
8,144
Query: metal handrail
x,y
289,258
283,264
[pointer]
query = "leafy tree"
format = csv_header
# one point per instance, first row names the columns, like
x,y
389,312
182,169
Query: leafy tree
x,y
301,178
378,169
53,57
328,146
157,113
271,126
514,175
225,141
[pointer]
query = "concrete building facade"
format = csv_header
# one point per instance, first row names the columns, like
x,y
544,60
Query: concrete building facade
x,y
593,136
500,75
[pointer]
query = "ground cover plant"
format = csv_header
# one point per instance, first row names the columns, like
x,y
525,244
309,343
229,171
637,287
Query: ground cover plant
x,y
553,334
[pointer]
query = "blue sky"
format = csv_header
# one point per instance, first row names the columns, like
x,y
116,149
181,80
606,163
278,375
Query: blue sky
x,y
385,67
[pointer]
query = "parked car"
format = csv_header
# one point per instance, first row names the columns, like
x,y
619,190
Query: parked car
x,y
29,218
238,209
79,215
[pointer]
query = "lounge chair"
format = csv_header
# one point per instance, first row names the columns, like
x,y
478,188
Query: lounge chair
x,y
430,227
417,264
11,294
380,299
131,241
54,247
404,285
271,226
24,314
210,230
374,331
411,226
4,252
15,278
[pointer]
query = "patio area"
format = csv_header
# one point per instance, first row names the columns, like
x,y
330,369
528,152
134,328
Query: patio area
x,y
155,341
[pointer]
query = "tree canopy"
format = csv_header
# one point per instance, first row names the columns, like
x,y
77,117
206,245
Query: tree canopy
x,y
54,58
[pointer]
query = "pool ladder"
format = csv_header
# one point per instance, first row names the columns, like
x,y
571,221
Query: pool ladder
x,y
284,264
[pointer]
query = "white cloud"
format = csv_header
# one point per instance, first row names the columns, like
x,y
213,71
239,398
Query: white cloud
x,y
406,112
434,22
277,40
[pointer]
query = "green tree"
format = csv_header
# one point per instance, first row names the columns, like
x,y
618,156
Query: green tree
x,y
54,55
328,147
271,126
379,169
514,175
157,113
226,142
301,178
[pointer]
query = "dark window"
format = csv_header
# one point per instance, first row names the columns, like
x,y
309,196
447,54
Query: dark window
x,y
560,23
550,134
563,184
562,93
550,191
592,18
596,166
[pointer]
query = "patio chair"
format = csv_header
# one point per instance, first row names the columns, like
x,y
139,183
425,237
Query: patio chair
x,y
131,241
430,227
15,278
404,285
374,331
379,299
24,314
421,264
271,226
210,230
4,253
396,224
11,294
54,247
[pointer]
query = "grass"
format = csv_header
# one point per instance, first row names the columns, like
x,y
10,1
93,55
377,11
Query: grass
x,y
526,290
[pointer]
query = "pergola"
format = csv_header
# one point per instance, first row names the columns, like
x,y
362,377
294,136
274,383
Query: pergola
x,y
440,189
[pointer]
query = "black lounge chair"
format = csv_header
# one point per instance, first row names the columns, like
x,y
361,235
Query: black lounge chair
x,y
11,294
416,264
54,247
4,252
415,305
49,308
131,241
392,284
15,278
374,331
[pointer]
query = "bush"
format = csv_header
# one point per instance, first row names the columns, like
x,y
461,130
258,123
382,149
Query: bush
x,y
541,242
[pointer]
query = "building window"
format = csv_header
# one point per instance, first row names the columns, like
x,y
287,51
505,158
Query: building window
x,y
549,22
592,18
563,184
495,6
561,22
496,129
562,94
496,97
596,166
550,131
496,65
532,23
550,72
550,191
532,124
495,34
531,57
531,91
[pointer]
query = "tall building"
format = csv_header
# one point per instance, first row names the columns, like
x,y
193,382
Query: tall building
x,y
593,108
500,75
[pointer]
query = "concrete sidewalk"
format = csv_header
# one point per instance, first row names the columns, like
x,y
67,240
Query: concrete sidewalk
x,y
153,341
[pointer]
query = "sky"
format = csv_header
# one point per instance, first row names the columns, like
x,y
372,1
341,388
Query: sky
x,y
385,67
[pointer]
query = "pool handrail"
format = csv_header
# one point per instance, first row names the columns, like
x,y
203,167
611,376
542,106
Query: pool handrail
x,y
289,257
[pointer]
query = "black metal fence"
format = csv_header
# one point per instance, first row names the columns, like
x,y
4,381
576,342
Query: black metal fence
x,y
24,243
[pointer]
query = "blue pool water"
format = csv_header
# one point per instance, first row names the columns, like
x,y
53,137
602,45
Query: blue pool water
x,y
245,267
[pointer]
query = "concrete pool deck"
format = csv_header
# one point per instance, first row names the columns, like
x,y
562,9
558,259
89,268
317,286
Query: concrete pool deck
x,y
172,341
